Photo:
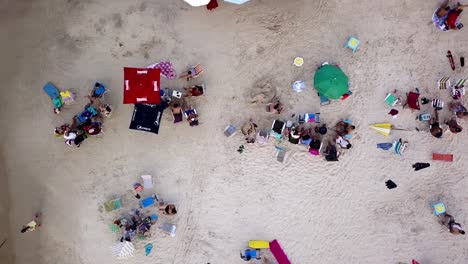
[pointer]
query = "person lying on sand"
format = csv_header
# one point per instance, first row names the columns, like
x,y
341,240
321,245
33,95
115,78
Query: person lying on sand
x,y
459,109
276,107
434,126
449,221
196,90
250,131
167,209
454,126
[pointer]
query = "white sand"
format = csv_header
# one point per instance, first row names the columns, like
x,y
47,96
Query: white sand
x,y
320,212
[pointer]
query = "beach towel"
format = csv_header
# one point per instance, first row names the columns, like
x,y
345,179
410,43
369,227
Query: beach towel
x,y
166,68
278,253
51,91
148,248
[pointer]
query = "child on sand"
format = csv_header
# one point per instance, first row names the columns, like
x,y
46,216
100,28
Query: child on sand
x,y
454,228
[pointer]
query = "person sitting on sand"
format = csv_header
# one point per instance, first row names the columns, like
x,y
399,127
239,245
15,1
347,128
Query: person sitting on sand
x,y
459,109
449,221
454,126
192,72
331,153
250,131
434,126
294,135
343,143
105,110
196,90
344,129
167,209
445,18
276,107
93,129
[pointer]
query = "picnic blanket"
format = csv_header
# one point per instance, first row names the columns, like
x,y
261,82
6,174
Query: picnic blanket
x,y
141,86
147,117
166,69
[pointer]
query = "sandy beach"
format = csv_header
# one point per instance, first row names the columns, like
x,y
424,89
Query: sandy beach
x,y
319,211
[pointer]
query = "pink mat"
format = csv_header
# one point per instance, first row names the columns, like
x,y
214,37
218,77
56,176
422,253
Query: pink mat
x,y
166,69
278,252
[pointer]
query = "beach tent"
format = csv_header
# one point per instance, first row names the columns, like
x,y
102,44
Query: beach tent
x,y
330,81
141,85
197,2
147,117
384,128
123,250
239,2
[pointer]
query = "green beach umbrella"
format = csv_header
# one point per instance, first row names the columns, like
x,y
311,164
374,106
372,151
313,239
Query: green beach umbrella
x,y
330,81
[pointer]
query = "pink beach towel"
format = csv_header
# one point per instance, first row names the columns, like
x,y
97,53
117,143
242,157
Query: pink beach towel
x,y
166,69
278,252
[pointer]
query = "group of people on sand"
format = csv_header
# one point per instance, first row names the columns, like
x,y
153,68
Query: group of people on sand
x,y
88,123
458,111
446,18
305,133
179,106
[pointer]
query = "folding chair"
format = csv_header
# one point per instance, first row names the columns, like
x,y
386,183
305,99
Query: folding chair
x,y
459,89
98,91
392,100
308,118
413,100
147,181
277,128
196,70
443,83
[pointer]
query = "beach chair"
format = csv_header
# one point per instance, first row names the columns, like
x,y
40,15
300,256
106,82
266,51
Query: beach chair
x,y
353,44
277,129
89,112
262,137
392,100
196,70
413,100
281,154
442,157
147,181
169,229
323,100
250,254
458,90
424,117
113,205
98,90
229,131
148,201
308,118
443,83
437,104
